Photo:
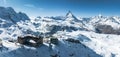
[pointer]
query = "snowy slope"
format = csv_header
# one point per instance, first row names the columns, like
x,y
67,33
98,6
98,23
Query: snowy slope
x,y
64,49
89,43
91,46
104,44
113,21
7,14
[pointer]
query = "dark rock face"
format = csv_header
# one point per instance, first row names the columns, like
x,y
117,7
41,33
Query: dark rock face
x,y
72,40
54,28
106,29
54,40
23,16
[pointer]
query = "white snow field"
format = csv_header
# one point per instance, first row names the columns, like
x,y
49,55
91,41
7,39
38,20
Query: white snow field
x,y
77,37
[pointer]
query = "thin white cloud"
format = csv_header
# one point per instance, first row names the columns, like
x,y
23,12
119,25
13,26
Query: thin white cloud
x,y
33,6
29,5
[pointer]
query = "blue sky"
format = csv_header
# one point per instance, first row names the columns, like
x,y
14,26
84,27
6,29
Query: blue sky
x,y
84,8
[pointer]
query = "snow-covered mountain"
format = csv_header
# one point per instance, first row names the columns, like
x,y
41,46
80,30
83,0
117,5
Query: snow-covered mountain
x,y
9,15
70,17
77,37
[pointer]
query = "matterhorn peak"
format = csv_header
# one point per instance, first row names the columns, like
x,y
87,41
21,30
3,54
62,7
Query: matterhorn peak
x,y
100,15
70,16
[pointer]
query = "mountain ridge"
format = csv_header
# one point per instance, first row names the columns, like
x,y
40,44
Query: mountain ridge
x,y
75,38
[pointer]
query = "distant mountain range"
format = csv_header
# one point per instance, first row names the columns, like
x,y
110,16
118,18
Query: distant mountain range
x,y
96,36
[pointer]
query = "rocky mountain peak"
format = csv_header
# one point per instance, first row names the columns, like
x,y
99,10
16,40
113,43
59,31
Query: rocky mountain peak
x,y
70,16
